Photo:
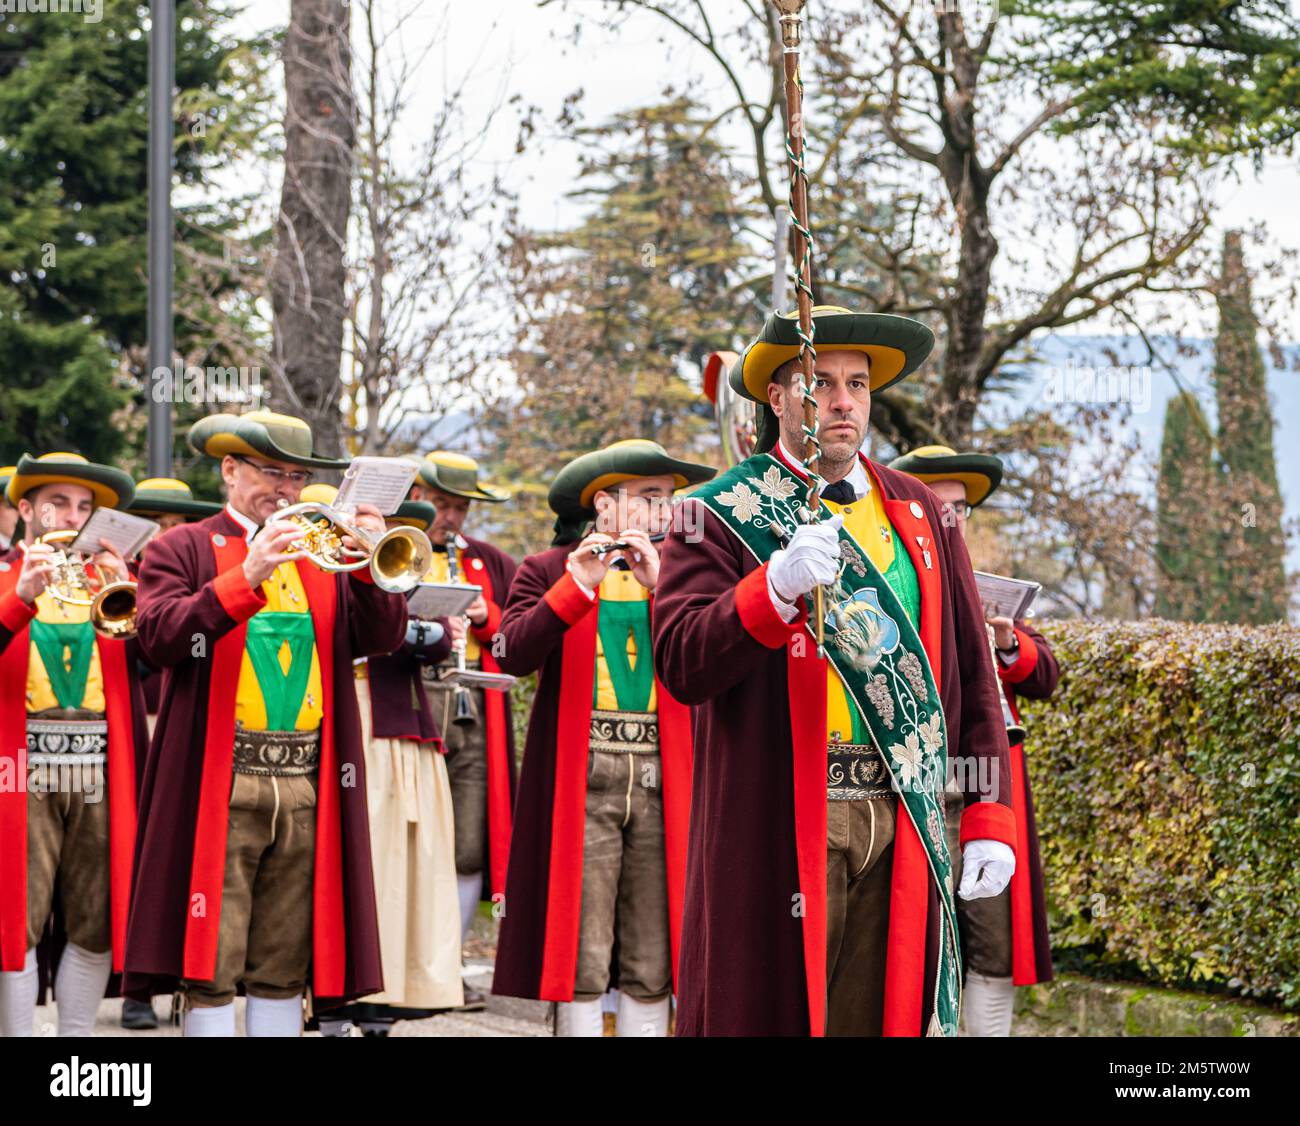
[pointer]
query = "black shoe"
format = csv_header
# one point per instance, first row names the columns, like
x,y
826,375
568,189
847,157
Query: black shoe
x,y
138,1016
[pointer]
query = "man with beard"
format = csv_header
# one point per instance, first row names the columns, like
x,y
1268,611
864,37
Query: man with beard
x,y
819,895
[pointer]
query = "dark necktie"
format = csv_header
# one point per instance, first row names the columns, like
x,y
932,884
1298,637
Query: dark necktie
x,y
841,492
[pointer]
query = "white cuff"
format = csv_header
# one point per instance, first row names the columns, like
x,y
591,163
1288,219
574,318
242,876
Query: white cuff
x,y
788,612
1011,654
591,594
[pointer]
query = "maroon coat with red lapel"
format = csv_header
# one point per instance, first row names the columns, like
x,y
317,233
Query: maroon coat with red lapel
x,y
128,741
550,624
1033,676
750,964
194,603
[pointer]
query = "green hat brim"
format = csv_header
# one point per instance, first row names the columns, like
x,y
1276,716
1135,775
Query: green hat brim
x,y
897,346
980,473
111,488
415,514
577,483
148,502
439,477
220,434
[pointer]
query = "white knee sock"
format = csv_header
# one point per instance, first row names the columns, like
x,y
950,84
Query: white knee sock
x,y
266,1016
469,888
641,1018
217,1020
79,988
989,1003
18,991
579,1018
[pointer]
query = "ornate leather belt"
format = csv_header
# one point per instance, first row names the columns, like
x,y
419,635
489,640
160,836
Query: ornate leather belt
x,y
855,773
634,733
278,753
75,742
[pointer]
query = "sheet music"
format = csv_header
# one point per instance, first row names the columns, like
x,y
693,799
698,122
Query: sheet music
x,y
1005,597
381,481
441,600
125,531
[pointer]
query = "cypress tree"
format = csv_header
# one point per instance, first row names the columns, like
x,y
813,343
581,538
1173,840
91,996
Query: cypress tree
x,y
1186,542
1253,582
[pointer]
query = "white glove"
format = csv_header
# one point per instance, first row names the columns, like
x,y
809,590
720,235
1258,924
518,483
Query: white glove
x,y
810,559
986,869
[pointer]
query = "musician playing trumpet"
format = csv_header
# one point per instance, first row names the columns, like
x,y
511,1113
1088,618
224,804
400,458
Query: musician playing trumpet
x,y
475,724
598,853
1004,938
253,855
70,747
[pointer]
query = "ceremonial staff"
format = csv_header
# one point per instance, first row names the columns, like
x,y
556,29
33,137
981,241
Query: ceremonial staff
x,y
791,27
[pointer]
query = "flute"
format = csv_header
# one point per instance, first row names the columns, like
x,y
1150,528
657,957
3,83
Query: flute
x,y
623,545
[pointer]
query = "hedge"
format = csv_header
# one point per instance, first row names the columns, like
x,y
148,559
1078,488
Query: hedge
x,y
1166,779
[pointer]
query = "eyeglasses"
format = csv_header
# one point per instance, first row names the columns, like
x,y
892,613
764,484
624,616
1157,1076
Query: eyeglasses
x,y
276,476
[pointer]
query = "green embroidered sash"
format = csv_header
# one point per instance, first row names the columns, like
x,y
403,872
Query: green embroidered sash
x,y
616,622
65,649
282,692
874,647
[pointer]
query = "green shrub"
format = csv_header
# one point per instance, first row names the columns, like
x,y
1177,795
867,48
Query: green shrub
x,y
1166,779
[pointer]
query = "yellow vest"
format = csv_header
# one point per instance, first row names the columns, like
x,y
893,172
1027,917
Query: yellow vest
x,y
864,520
618,586
440,572
284,593
40,693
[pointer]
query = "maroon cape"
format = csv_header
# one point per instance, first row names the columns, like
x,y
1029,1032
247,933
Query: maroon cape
x,y
127,742
399,705
1033,676
194,603
549,624
750,965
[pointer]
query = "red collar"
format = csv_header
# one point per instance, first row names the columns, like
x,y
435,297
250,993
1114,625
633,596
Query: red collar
x,y
869,465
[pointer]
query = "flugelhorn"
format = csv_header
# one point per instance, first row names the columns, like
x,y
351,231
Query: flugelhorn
x,y
397,560
112,602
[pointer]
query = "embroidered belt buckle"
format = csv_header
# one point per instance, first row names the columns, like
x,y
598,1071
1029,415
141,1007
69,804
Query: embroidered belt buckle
x,y
634,733
281,754
855,773
74,742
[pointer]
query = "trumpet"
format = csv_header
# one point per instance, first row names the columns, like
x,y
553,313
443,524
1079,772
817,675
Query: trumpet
x,y
112,602
397,560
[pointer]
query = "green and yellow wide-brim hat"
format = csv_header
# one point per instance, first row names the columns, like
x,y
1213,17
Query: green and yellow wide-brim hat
x,y
895,347
414,514
6,472
280,437
575,486
457,474
166,496
111,488
980,473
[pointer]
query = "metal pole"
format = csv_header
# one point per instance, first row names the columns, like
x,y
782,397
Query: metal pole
x,y
782,256
162,72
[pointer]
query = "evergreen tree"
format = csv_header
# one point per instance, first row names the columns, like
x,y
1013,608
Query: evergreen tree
x,y
74,213
1186,540
1253,584
617,313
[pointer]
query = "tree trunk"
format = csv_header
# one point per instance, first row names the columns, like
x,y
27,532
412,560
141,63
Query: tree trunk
x,y
308,280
